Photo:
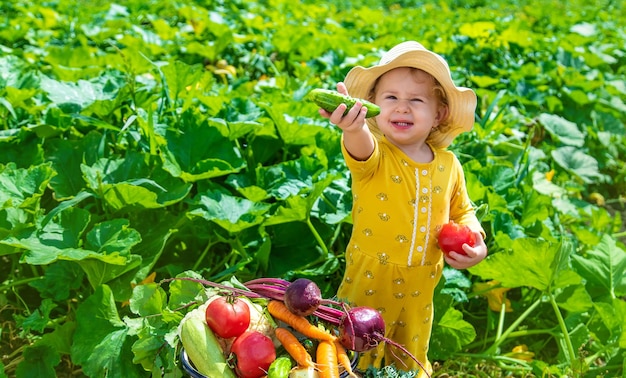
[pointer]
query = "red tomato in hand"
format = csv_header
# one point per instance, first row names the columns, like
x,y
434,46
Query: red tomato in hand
x,y
452,237
254,353
228,317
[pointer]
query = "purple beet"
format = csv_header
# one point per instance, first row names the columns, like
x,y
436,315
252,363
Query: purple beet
x,y
303,297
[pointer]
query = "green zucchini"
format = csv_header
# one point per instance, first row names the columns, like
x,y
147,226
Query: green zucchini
x,y
203,348
329,100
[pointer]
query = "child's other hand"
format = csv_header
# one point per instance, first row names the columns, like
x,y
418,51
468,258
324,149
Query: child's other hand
x,y
353,120
473,256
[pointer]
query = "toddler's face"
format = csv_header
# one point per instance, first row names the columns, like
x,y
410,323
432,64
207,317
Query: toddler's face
x,y
410,106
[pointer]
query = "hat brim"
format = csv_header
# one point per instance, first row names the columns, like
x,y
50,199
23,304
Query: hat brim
x,y
461,101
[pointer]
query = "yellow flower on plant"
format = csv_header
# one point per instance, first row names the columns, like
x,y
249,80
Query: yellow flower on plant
x,y
222,68
495,294
520,352
597,198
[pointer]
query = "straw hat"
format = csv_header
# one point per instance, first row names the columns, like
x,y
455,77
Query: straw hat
x,y
461,100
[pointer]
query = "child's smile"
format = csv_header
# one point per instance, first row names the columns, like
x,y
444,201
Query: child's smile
x,y
402,124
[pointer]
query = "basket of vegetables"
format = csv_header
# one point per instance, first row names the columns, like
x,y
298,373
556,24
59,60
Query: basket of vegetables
x,y
273,328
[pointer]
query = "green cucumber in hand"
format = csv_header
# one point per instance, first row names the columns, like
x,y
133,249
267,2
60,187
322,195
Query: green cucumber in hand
x,y
329,100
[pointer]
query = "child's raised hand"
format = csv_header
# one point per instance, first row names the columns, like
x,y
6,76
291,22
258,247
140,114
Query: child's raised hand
x,y
473,255
353,120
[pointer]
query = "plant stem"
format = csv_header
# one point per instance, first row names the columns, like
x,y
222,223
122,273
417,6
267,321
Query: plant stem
x,y
202,256
317,236
268,281
564,331
516,323
524,161
24,281
336,234
501,318
511,335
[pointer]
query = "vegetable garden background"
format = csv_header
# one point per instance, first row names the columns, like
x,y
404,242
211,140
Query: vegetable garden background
x,y
141,140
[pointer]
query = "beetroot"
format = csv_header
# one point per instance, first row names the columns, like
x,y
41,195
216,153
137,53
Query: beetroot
x,y
361,329
303,297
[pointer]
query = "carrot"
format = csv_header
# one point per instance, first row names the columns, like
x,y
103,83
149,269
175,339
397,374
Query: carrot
x,y
294,347
343,359
326,360
301,324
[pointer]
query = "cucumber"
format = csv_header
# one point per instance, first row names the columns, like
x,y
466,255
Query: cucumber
x,y
202,347
329,100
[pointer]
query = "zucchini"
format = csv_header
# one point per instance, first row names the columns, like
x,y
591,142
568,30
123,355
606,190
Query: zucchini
x,y
202,346
329,100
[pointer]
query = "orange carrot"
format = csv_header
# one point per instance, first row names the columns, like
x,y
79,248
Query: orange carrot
x,y
301,324
326,360
344,359
294,347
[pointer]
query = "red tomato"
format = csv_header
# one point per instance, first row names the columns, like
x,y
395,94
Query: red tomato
x,y
254,353
228,317
452,237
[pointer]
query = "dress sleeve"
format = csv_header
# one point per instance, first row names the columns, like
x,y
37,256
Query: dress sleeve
x,y
461,208
361,168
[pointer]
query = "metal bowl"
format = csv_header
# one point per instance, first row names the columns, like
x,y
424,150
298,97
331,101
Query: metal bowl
x,y
188,366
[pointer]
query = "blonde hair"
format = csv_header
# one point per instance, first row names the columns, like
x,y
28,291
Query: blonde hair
x,y
438,92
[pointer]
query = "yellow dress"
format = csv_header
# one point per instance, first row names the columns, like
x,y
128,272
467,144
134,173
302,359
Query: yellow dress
x,y
393,262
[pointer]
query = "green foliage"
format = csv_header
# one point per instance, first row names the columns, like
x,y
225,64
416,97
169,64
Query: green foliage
x,y
165,139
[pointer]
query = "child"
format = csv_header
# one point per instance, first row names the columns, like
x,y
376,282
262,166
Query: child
x,y
405,186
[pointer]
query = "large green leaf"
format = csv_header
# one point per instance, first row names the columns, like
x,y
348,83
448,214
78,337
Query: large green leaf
x,y
291,132
289,178
528,262
297,208
60,237
101,342
137,181
603,268
335,203
59,280
562,130
578,163
200,149
103,253
234,214
148,299
574,299
39,361
182,292
66,158
21,148
21,187
74,97
13,221
451,333
109,239
179,76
